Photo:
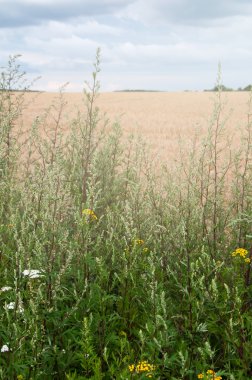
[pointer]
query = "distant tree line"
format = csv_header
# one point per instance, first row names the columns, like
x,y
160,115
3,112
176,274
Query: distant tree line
x,y
224,88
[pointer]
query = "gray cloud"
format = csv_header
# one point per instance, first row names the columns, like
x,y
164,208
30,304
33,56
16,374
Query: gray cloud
x,y
16,13
196,10
185,11
150,44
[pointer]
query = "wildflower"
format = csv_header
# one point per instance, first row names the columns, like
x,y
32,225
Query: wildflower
x,y
131,367
142,366
11,306
138,242
242,252
145,250
89,213
20,377
210,372
20,308
5,348
32,273
200,376
5,289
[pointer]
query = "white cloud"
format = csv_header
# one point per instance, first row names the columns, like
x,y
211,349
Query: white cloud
x,y
192,12
180,41
18,13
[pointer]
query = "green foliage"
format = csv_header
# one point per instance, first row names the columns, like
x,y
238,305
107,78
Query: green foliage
x,y
222,88
145,274
247,88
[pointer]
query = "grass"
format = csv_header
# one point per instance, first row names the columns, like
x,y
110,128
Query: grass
x,y
111,269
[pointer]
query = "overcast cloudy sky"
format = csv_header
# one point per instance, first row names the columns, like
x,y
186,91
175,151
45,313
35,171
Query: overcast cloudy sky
x,y
169,45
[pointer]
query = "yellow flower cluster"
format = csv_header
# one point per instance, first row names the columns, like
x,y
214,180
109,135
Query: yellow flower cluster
x,y
138,242
210,375
241,252
142,366
90,213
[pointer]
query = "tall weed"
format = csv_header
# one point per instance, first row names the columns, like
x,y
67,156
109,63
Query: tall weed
x,y
111,269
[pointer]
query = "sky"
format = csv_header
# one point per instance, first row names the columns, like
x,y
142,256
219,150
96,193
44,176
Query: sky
x,y
166,45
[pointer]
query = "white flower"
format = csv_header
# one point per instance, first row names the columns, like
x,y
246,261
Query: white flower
x,y
32,273
11,306
5,348
5,288
20,308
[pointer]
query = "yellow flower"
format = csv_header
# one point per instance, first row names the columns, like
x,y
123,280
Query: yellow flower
x,y
90,213
20,377
200,376
240,252
210,372
218,378
131,367
247,260
145,250
142,366
138,242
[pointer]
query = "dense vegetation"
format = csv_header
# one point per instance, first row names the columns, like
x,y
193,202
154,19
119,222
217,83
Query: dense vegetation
x,y
112,268
221,87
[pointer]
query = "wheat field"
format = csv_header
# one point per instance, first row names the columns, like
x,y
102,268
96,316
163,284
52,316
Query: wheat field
x,y
159,118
